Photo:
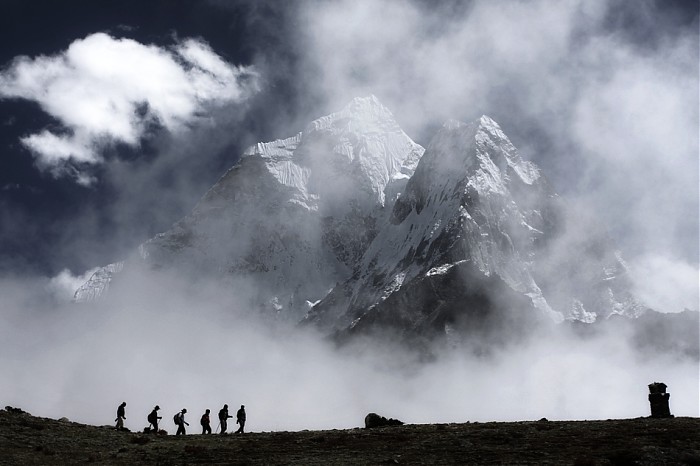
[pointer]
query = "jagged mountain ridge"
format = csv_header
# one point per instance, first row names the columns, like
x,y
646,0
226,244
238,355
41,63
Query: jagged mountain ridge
x,y
293,216
401,236
464,243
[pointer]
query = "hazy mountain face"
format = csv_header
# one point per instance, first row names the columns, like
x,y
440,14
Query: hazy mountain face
x,y
353,227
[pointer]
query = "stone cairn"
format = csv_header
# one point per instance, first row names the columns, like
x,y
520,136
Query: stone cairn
x,y
658,399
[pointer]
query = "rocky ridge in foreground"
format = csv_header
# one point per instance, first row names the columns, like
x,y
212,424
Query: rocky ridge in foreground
x,y
29,440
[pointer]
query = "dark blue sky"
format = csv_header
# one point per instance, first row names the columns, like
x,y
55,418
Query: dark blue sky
x,y
48,223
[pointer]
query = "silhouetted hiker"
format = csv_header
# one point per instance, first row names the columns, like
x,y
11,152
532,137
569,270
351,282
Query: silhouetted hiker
x,y
153,418
206,427
179,419
240,419
223,417
121,416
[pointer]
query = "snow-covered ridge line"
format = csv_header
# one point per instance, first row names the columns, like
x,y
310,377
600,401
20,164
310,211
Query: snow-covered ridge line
x,y
97,284
473,209
305,206
420,239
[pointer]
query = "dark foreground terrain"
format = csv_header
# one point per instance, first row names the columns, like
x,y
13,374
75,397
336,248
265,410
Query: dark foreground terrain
x,y
25,439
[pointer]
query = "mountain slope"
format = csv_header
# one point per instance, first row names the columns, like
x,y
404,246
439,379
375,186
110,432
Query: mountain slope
x,y
466,247
293,216
351,226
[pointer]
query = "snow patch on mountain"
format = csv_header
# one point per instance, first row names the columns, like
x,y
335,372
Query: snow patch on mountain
x,y
98,283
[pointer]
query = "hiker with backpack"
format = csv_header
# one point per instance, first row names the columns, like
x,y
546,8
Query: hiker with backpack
x,y
240,419
179,420
206,427
223,417
121,416
153,419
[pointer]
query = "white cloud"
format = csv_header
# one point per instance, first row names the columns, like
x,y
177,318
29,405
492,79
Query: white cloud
x,y
443,61
189,336
105,90
56,148
666,284
611,118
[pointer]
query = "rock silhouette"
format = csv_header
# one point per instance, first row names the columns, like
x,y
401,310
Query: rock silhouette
x,y
658,399
375,420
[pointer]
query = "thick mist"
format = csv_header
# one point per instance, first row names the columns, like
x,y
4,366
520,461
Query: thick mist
x,y
182,344
601,95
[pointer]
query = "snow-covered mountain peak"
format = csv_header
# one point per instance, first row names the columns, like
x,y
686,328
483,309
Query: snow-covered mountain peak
x,y
490,138
365,115
278,148
412,239
295,215
353,154
479,151
489,123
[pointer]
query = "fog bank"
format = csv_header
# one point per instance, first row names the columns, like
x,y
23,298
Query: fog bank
x,y
183,345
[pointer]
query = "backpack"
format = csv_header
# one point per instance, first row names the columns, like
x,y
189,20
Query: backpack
x,y
152,417
176,419
204,420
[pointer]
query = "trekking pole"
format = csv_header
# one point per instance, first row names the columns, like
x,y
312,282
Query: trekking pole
x,y
217,428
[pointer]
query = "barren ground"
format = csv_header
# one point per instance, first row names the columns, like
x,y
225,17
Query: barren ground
x,y
25,439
